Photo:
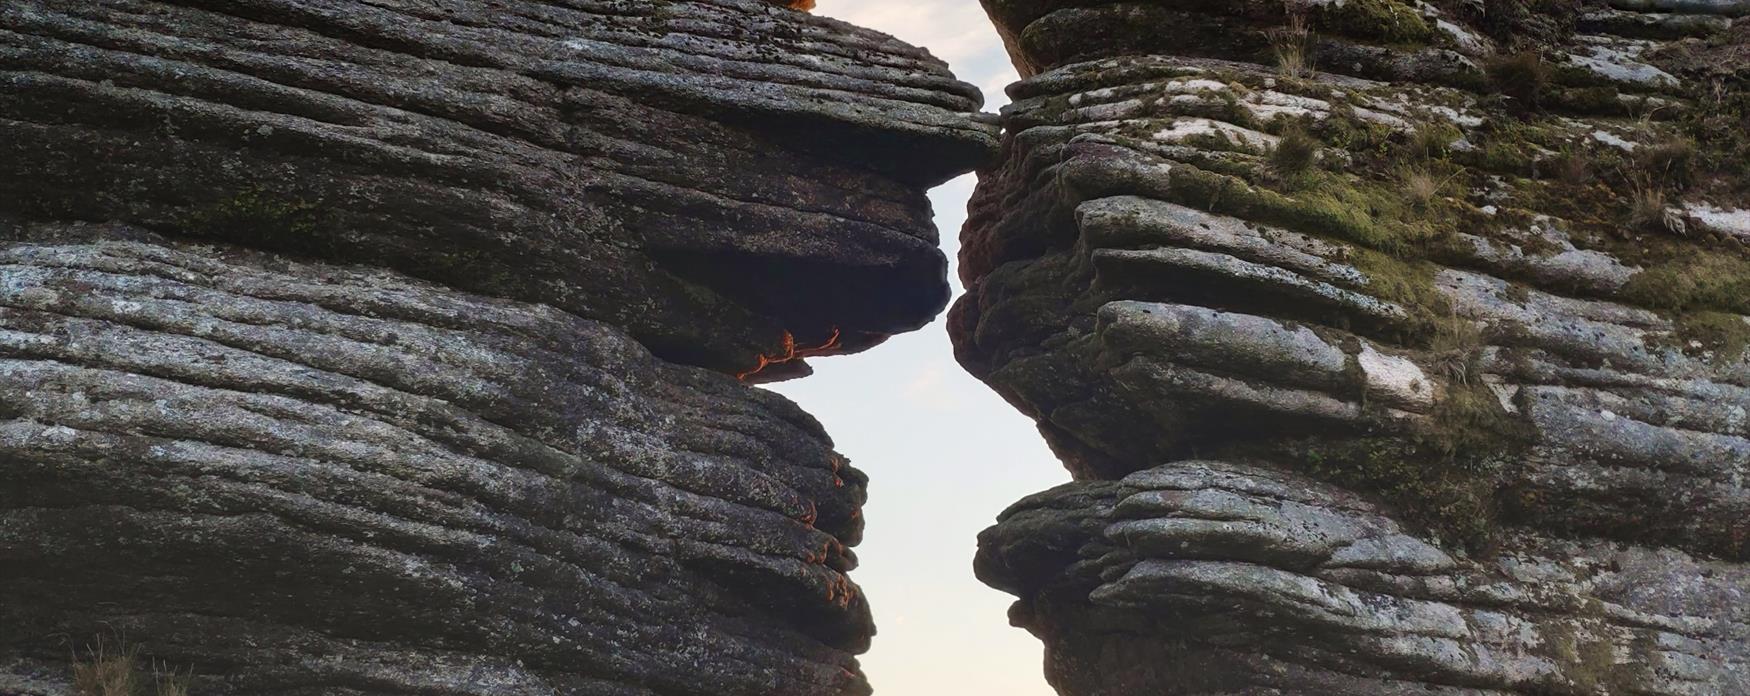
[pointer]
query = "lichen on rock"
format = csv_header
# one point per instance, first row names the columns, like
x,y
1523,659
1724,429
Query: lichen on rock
x,y
1456,279
380,348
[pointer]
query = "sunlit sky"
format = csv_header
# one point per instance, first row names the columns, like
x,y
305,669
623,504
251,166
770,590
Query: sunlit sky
x,y
943,453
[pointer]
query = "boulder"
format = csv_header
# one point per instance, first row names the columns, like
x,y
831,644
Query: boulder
x,y
404,347
1395,347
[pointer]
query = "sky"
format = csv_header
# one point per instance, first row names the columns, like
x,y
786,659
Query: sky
x,y
944,454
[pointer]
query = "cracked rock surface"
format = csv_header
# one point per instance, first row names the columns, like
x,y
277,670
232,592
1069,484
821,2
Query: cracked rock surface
x,y
1395,347
392,347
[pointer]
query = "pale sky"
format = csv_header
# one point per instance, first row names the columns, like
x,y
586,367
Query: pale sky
x,y
943,453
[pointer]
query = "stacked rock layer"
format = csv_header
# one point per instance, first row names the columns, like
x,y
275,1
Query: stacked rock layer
x,y
1396,347
392,347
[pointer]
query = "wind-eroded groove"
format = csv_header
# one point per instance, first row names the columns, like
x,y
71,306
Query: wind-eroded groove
x,y
388,414
626,179
185,293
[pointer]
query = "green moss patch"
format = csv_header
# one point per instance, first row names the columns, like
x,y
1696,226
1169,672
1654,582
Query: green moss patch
x,y
1699,280
1442,477
257,214
1382,20
1722,336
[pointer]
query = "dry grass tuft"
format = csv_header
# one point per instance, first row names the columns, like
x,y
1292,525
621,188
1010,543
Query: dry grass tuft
x,y
1420,187
1649,212
1521,76
1293,45
106,674
173,684
1432,142
1669,161
103,673
1456,348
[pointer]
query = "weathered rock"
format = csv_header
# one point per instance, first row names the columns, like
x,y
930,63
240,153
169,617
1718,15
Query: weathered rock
x,y
1208,577
392,347
1398,348
677,168
320,479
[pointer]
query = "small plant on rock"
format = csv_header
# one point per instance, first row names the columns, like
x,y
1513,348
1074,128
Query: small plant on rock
x,y
1295,152
1670,161
104,673
1522,77
1421,187
1455,347
1292,43
1572,167
1432,141
1648,211
172,684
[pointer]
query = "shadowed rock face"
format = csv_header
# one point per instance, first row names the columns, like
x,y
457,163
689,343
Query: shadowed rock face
x,y
372,348
1396,347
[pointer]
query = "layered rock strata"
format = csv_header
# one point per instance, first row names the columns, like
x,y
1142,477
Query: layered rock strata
x,y
1395,347
373,348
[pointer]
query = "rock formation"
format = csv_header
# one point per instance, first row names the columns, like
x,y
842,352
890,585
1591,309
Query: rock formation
x,y
391,347
1396,347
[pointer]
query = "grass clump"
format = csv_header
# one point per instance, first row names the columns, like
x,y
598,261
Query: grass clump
x,y
1432,141
1292,44
1295,152
173,684
1421,187
1656,168
1671,162
106,674
1649,213
1504,156
1522,77
103,672
1455,347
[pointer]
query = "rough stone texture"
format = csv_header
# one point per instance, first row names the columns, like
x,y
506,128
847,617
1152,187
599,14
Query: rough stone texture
x,y
1207,577
1453,402
676,168
418,488
392,347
